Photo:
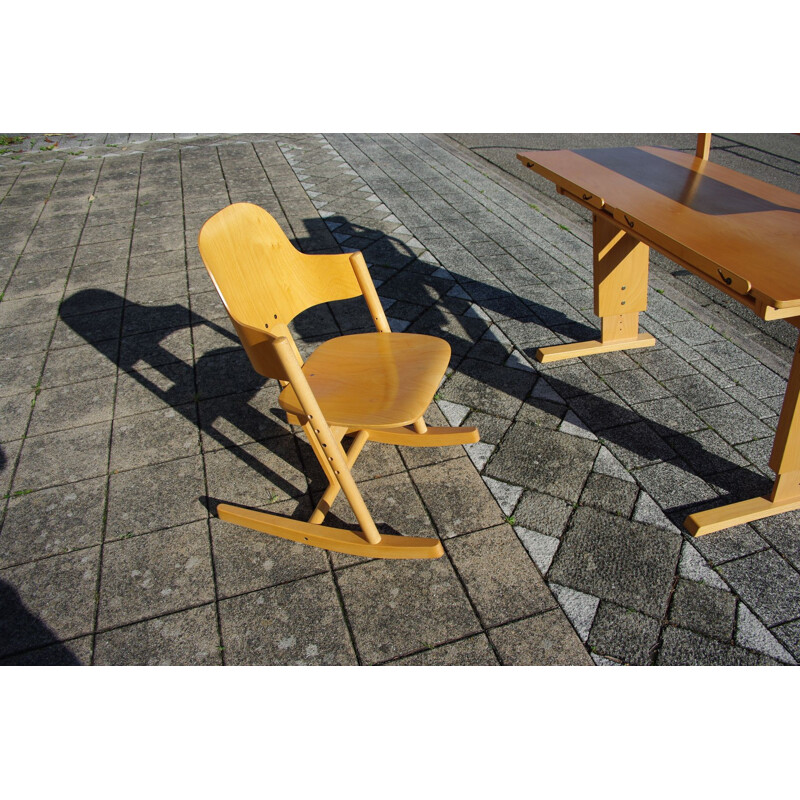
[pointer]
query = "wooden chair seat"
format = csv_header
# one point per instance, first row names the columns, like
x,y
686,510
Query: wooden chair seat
x,y
372,380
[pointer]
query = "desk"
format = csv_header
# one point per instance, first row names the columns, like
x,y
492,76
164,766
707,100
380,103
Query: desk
x,y
738,233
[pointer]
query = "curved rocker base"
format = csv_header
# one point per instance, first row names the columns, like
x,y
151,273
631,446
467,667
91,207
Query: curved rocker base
x,y
353,543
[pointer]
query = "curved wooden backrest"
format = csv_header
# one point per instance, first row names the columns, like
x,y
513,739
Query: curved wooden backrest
x,y
264,281
262,278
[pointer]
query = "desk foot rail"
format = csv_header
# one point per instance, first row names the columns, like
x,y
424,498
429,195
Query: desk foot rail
x,y
717,519
560,352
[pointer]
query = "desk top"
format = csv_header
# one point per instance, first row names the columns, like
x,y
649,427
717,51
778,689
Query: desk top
x,y
736,230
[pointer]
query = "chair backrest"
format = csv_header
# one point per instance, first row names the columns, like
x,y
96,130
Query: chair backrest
x,y
264,281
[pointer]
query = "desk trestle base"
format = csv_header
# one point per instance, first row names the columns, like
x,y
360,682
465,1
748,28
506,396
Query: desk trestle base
x,y
559,352
718,519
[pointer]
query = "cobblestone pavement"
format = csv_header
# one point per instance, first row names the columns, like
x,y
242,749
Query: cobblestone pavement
x,y
128,407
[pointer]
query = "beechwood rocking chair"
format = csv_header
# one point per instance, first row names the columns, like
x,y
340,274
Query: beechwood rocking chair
x,y
367,385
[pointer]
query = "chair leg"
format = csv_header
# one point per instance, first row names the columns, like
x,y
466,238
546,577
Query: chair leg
x,y
330,494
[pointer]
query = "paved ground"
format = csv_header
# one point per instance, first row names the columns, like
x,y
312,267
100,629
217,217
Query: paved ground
x,y
128,408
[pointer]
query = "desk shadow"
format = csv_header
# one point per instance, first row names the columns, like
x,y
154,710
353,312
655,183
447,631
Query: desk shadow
x,y
25,639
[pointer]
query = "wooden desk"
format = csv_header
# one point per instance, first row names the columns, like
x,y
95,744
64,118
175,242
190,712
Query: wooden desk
x,y
738,233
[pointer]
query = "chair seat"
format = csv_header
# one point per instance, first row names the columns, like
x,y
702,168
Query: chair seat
x,y
373,380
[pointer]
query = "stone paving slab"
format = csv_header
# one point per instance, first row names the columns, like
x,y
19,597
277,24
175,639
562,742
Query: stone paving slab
x,y
129,410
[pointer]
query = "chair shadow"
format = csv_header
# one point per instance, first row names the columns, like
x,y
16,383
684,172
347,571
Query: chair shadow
x,y
411,279
144,357
26,640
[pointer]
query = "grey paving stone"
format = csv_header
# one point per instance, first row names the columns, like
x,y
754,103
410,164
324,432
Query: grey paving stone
x,y
623,634
729,544
246,560
673,484
242,419
73,653
226,373
151,389
707,452
96,327
153,574
257,474
767,584
611,494
82,453
393,504
47,601
628,563
544,640
694,567
19,375
760,380
56,259
73,405
636,445
635,385
662,363
573,379
697,391
456,497
153,437
154,497
85,362
580,608
295,624
703,609
602,410
543,512
681,647
102,251
734,423
670,413
789,635
52,522
25,340
548,461
725,352
186,638
501,580
15,412
475,651
396,608
494,390
31,284
754,635
491,428
781,531
142,265
155,348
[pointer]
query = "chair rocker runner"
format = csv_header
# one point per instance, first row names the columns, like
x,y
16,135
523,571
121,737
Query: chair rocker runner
x,y
369,386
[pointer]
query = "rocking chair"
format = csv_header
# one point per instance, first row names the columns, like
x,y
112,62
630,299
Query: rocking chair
x,y
367,385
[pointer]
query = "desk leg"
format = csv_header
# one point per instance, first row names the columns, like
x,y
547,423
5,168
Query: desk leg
x,y
785,461
620,293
